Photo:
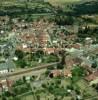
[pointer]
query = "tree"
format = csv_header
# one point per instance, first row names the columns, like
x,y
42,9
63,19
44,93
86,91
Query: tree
x,y
19,54
29,86
59,9
6,53
55,98
94,64
64,20
21,63
52,58
44,86
58,82
39,53
77,73
38,97
24,79
63,60
47,72
69,20
26,4
60,66
4,98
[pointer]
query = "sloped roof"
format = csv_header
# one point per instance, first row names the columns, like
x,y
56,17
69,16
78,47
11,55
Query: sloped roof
x,y
7,65
92,76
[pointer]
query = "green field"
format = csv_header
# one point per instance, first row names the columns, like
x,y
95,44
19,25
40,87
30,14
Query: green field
x,y
62,1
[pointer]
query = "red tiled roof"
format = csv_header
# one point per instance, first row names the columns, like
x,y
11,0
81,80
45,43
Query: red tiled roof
x,y
49,50
92,77
6,83
28,37
56,73
67,72
71,37
24,49
69,61
76,46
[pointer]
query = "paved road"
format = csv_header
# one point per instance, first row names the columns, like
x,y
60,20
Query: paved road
x,y
27,71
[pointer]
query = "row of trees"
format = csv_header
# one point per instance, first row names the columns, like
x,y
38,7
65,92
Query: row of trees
x,y
25,59
88,32
25,7
64,20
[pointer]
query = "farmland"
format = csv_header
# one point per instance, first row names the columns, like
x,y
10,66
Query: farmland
x,y
62,2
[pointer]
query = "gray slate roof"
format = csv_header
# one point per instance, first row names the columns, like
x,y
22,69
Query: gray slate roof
x,y
7,65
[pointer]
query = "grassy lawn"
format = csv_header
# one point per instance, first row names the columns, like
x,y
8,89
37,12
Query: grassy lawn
x,y
67,98
82,84
65,82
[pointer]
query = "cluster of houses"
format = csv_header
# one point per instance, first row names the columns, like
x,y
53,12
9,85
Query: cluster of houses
x,y
76,57
36,38
5,85
46,36
57,73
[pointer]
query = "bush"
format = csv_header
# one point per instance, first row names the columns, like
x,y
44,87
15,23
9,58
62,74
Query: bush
x,y
22,63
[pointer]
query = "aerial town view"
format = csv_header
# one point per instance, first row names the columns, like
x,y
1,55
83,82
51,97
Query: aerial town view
x,y
48,49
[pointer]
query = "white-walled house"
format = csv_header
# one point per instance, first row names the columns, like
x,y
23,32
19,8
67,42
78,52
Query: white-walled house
x,y
6,67
3,71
